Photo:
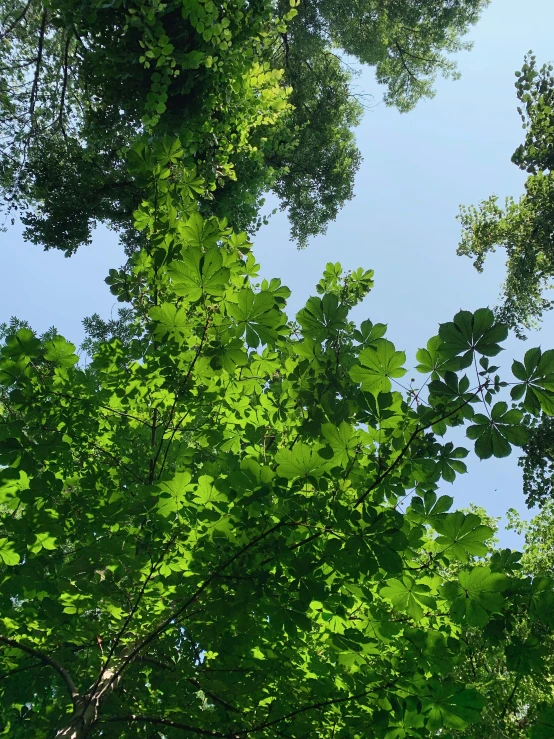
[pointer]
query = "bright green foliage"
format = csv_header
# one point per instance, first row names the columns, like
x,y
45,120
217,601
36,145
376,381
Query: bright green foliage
x,y
205,530
538,462
511,658
537,378
538,554
524,228
256,91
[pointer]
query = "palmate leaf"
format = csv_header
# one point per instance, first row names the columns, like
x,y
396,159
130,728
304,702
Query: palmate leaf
x,y
495,435
199,274
22,344
431,360
342,440
461,536
451,387
61,352
11,371
451,706
7,553
428,509
43,540
200,232
170,320
408,595
449,461
543,727
206,494
257,317
525,656
476,595
172,494
322,318
430,648
378,363
470,332
406,724
300,461
281,293
537,381
369,332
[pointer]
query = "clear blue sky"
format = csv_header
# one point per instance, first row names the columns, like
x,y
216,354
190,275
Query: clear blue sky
x,y
418,168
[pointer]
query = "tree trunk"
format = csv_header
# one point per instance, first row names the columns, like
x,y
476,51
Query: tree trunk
x,y
83,719
87,709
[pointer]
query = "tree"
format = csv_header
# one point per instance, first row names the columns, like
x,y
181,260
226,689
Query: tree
x,y
255,90
538,463
516,677
525,227
510,663
228,525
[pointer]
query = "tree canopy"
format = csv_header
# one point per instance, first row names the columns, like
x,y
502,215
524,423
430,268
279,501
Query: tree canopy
x,y
229,524
259,93
524,228
219,520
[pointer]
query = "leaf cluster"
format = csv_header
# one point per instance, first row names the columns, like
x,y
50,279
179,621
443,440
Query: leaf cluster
x,y
229,524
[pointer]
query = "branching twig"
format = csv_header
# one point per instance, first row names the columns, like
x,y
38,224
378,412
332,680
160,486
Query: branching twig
x,y
46,660
16,21
34,89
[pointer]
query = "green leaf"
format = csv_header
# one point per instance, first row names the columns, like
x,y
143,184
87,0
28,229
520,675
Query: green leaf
x,y
43,540
300,461
472,332
201,233
22,344
495,435
61,352
257,317
199,274
543,727
379,363
449,461
206,494
172,494
476,595
409,596
461,536
369,332
170,320
525,656
427,509
342,440
451,706
432,359
7,553
322,318
537,376
11,372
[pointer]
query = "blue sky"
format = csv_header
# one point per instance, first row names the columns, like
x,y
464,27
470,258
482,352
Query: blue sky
x,y
418,168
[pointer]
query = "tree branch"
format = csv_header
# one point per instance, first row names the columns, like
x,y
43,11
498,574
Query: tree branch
x,y
16,21
408,70
34,89
178,613
167,722
176,427
243,732
64,84
418,430
46,660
